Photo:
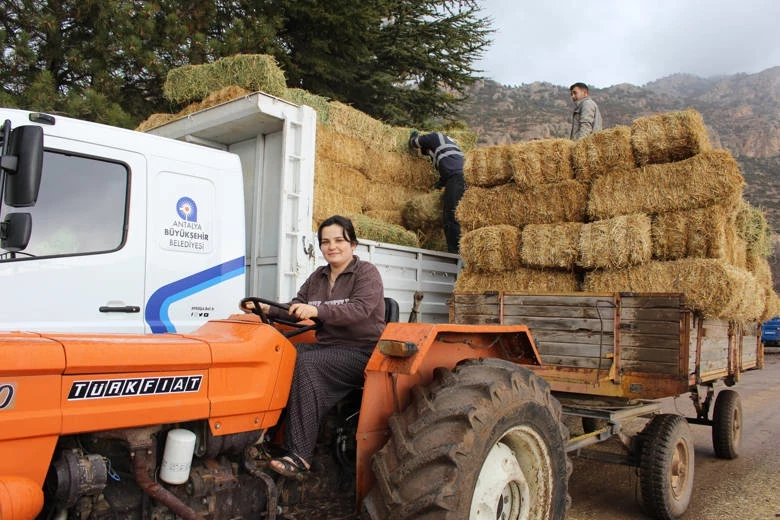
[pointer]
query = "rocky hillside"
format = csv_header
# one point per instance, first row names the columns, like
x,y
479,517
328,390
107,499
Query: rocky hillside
x,y
742,114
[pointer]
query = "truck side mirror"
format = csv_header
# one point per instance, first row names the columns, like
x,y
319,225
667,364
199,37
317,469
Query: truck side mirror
x,y
15,231
22,162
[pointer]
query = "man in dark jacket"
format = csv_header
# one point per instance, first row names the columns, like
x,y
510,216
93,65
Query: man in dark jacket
x,y
447,158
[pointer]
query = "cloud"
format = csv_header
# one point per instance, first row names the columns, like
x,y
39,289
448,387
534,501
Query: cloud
x,y
611,41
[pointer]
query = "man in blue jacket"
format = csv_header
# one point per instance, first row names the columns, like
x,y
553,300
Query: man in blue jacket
x,y
447,158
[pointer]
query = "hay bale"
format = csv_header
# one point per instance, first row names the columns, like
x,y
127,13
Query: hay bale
x,y
339,177
339,147
712,287
491,249
735,249
669,137
351,121
380,196
423,211
487,166
433,239
519,280
706,179
371,229
772,308
328,202
758,265
550,203
399,168
601,152
153,121
507,204
320,104
539,162
617,242
249,71
550,245
699,233
752,226
390,216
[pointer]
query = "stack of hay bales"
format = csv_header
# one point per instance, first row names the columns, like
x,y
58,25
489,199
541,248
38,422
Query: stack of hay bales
x,y
646,208
363,168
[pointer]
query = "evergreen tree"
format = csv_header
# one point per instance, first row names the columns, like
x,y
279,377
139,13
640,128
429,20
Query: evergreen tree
x,y
404,61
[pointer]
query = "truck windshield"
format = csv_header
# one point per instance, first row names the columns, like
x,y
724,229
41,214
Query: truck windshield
x,y
81,208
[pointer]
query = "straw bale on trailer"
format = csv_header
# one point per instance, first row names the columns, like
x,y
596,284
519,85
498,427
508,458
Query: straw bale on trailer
x,y
340,147
669,137
519,280
551,245
601,152
507,204
487,166
708,178
700,233
373,229
752,226
616,242
759,266
545,161
712,287
491,248
249,71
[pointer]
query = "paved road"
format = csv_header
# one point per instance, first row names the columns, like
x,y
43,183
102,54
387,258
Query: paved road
x,y
746,488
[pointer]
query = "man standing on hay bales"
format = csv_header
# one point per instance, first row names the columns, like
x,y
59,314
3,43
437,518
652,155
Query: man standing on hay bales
x,y
587,118
447,157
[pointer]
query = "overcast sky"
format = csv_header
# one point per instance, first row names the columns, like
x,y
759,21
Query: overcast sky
x,y
607,42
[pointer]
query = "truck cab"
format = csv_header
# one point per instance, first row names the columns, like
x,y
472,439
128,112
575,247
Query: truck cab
x,y
128,233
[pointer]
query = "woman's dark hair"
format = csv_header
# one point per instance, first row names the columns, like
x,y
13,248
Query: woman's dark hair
x,y
346,226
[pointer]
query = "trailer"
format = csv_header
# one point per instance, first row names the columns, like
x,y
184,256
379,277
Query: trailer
x,y
609,358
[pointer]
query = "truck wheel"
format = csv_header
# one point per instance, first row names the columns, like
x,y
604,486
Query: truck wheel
x,y
666,466
727,424
483,441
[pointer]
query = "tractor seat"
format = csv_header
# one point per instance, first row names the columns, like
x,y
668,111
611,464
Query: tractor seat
x,y
392,312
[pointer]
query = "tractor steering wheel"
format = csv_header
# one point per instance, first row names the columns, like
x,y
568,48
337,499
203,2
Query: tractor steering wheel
x,y
252,304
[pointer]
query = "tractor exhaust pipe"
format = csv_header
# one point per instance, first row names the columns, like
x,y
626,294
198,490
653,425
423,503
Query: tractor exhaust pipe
x,y
156,491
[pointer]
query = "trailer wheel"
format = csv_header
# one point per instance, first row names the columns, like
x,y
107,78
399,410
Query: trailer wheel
x,y
666,466
483,441
727,424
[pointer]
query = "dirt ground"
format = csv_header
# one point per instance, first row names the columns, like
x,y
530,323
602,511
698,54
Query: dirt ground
x,y
746,488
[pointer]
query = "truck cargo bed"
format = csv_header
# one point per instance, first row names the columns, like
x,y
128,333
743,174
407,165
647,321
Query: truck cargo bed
x,y
626,345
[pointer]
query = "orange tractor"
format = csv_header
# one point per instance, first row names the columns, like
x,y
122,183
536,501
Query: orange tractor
x,y
449,424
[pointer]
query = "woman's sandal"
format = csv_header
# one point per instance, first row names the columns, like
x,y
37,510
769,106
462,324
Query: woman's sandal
x,y
289,466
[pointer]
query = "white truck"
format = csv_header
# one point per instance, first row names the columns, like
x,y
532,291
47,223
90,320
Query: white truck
x,y
135,233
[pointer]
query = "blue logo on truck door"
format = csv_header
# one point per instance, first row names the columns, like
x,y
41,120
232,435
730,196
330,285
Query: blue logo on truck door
x,y
159,303
187,209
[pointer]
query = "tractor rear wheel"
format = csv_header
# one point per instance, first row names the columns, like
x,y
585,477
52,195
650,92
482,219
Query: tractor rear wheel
x,y
484,441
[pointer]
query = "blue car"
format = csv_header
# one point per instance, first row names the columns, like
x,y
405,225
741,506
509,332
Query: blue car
x,y
770,332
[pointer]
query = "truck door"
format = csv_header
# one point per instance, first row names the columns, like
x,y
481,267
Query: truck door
x,y
83,269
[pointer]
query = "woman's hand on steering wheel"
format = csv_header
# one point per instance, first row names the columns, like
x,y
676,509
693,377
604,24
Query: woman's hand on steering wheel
x,y
262,307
